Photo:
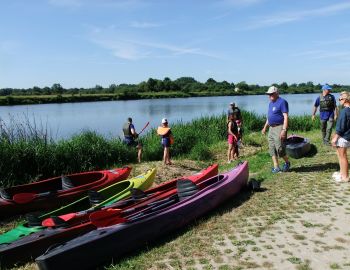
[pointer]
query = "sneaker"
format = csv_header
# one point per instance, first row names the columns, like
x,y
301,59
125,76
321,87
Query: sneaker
x,y
276,170
336,175
286,166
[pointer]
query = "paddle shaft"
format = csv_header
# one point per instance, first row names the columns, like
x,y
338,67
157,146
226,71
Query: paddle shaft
x,y
144,127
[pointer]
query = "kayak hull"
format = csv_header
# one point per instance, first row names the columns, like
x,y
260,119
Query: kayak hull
x,y
87,181
34,245
101,245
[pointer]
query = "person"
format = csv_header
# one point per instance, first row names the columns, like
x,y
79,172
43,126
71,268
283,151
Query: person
x,y
341,138
167,140
233,109
328,112
130,136
232,138
277,121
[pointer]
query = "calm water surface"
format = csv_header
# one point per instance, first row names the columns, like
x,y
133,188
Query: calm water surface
x,y
107,117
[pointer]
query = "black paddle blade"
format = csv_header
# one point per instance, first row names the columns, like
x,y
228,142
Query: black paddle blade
x,y
66,182
185,188
137,194
95,197
4,194
33,220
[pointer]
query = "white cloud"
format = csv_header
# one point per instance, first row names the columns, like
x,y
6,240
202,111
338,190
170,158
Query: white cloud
x,y
124,45
340,56
239,3
299,15
137,24
66,3
118,4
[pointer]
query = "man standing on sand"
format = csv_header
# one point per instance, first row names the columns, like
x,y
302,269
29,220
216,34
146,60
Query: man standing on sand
x,y
328,112
277,121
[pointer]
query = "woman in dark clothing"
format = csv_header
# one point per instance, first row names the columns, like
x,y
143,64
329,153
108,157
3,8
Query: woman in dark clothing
x,y
341,139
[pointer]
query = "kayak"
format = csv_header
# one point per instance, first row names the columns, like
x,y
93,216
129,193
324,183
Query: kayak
x,y
297,146
36,244
107,195
189,203
54,192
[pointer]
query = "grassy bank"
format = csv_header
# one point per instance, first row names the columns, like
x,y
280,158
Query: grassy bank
x,y
28,153
298,221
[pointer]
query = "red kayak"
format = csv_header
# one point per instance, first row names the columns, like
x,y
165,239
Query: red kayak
x,y
75,224
57,191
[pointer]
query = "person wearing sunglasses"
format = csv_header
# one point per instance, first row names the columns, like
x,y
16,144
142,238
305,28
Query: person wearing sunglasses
x,y
277,121
341,138
328,112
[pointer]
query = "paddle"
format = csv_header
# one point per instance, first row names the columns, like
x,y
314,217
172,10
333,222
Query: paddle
x,y
71,218
23,198
108,217
144,128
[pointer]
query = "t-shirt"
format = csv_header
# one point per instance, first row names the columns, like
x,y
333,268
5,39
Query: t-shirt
x,y
325,115
343,124
276,110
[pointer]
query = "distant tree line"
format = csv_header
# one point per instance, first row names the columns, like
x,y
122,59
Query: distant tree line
x,y
186,85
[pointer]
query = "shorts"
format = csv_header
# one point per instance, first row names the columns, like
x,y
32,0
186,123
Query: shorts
x,y
132,143
231,139
165,142
277,147
341,142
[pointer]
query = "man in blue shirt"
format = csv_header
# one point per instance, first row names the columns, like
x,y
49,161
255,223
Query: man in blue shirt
x,y
277,121
328,112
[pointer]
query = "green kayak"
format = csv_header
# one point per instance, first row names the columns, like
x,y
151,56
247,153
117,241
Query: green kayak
x,y
103,197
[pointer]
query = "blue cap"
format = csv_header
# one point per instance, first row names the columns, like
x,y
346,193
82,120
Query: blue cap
x,y
326,87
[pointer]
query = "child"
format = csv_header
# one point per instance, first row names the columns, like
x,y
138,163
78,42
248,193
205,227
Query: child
x,y
232,139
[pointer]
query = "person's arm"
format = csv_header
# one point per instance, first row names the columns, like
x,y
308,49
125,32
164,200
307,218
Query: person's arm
x,y
133,132
336,112
229,126
314,113
285,126
263,131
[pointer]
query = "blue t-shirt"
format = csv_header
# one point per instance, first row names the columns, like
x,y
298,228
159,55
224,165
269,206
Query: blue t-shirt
x,y
276,110
325,115
343,124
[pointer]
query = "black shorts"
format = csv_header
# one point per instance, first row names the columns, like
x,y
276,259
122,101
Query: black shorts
x,y
132,143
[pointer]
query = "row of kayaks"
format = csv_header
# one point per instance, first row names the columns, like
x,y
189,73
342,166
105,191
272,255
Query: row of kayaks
x,y
110,221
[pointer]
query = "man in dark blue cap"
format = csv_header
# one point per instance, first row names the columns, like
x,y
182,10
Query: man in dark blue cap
x,y
328,112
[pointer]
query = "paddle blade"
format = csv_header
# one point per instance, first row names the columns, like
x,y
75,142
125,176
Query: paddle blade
x,y
51,222
23,198
104,218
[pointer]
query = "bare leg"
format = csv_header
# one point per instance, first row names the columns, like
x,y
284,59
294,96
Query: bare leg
x,y
343,162
275,161
230,152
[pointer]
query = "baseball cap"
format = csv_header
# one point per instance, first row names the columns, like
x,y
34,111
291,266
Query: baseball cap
x,y
272,89
326,87
164,120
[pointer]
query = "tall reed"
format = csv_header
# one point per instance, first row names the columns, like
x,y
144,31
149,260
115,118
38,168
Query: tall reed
x,y
28,152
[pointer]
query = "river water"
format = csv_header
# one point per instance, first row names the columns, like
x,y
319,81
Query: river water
x,y
107,117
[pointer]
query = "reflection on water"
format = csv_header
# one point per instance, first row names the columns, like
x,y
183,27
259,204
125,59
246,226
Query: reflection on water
x,y
108,117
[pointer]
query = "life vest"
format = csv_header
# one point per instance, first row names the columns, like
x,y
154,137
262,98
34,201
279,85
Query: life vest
x,y
326,103
127,130
163,130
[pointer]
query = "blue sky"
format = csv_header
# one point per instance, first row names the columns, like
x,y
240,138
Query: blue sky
x,y
82,43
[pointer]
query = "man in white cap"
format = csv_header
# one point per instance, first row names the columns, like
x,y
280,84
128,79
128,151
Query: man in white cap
x,y
277,121
328,112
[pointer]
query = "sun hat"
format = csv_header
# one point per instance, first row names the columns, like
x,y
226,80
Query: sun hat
x,y
326,87
272,90
164,120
